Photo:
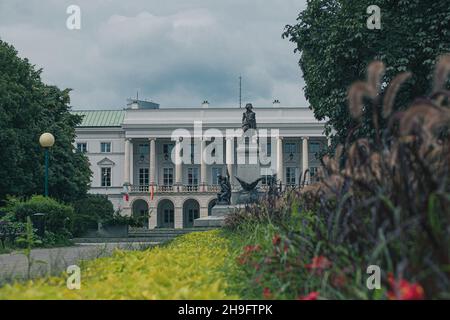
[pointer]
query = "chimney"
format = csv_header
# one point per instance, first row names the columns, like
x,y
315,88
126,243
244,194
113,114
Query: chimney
x,y
205,104
276,103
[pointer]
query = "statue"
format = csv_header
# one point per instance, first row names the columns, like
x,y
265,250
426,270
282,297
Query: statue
x,y
249,193
248,118
224,196
248,187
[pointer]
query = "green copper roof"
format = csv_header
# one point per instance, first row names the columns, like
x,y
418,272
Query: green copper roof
x,y
101,118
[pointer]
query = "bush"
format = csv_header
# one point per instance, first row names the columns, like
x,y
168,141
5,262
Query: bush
x,y
89,211
190,267
58,216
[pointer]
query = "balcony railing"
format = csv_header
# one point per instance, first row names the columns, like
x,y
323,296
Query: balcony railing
x,y
200,188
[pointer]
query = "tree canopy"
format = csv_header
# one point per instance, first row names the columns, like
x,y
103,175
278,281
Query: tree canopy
x,y
336,46
28,108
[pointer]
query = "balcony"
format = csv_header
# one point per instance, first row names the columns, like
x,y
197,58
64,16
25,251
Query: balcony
x,y
200,188
176,188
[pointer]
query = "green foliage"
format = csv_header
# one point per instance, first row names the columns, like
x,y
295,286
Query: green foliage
x,y
383,202
89,211
336,46
58,217
29,108
190,267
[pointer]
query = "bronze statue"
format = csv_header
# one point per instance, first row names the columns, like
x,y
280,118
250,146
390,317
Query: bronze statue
x,y
248,118
224,196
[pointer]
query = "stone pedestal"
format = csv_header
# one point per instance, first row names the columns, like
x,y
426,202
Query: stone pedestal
x,y
217,217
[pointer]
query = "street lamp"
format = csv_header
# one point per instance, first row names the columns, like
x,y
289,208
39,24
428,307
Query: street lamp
x,y
46,140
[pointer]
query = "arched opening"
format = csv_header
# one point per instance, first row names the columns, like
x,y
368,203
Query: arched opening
x,y
191,211
166,215
211,204
140,212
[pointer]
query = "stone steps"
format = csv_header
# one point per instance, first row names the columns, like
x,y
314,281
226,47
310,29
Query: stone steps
x,y
143,235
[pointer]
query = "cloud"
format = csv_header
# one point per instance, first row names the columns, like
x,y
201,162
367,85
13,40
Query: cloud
x,y
176,54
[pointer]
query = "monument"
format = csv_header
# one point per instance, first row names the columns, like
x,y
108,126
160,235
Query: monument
x,y
248,175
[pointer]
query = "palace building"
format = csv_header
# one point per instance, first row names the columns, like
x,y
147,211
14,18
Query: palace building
x,y
131,155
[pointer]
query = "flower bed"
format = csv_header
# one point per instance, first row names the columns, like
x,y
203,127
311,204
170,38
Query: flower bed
x,y
190,267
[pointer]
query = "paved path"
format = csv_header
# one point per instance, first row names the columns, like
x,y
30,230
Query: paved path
x,y
56,260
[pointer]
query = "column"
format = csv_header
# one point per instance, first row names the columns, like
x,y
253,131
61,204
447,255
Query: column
x,y
178,217
152,169
203,212
280,165
229,156
153,220
305,158
178,164
203,166
126,173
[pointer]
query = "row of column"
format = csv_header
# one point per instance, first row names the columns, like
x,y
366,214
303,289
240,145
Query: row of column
x,y
203,167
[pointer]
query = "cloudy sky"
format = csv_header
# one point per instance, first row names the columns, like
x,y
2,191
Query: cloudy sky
x,y
174,52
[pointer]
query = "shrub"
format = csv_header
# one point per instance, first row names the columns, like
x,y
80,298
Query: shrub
x,y
89,211
190,267
58,216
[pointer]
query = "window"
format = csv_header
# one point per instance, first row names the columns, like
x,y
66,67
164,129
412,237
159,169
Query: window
x,y
314,147
313,171
215,175
265,179
82,147
105,147
106,177
290,147
192,176
167,148
168,216
168,176
266,149
143,177
266,175
290,176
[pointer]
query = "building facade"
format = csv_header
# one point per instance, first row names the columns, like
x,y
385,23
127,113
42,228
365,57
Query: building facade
x,y
135,155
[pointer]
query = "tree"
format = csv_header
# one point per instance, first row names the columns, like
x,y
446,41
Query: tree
x,y
29,108
336,46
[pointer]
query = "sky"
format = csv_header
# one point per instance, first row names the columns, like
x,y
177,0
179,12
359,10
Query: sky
x,y
175,53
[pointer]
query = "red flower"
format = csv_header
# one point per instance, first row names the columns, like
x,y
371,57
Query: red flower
x,y
339,280
267,294
404,290
311,296
319,263
250,248
276,240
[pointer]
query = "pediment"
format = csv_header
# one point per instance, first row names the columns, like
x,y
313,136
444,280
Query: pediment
x,y
106,162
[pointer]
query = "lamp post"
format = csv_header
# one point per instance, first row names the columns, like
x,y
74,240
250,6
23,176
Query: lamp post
x,y
46,140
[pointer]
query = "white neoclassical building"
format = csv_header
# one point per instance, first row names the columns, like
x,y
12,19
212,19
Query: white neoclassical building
x,y
131,152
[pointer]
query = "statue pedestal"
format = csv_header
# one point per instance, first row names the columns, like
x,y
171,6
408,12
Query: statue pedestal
x,y
218,215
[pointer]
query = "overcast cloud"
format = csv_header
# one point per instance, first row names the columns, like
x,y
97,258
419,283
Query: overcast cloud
x,y
176,53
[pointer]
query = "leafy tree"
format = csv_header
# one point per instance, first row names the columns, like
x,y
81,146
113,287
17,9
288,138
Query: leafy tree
x,y
28,108
336,46
91,210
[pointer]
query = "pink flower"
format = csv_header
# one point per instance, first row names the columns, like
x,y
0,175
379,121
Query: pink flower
x,y
311,296
319,263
